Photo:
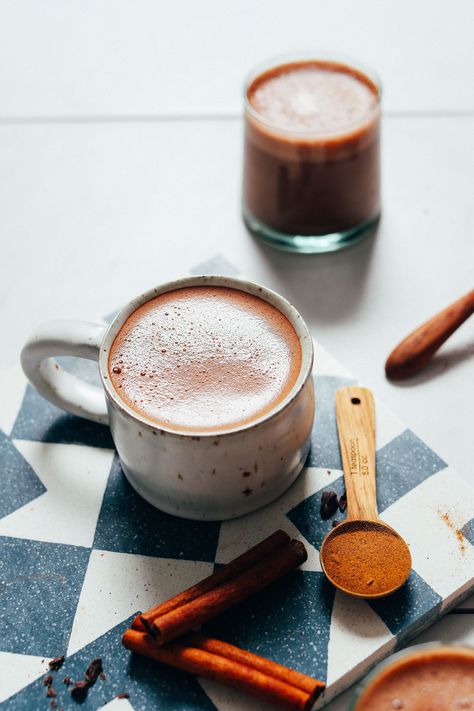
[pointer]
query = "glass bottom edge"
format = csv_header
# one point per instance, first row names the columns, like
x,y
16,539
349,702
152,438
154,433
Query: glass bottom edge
x,y
310,244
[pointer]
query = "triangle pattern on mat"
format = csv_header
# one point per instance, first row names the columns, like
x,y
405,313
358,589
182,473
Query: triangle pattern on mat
x,y
75,478
19,482
118,584
149,685
18,670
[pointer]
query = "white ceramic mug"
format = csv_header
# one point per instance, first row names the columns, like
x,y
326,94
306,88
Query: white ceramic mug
x,y
193,475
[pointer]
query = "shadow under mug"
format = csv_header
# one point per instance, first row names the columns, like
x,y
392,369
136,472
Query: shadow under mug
x,y
204,476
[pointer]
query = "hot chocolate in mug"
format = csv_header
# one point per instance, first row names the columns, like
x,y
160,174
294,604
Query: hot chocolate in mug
x,y
206,387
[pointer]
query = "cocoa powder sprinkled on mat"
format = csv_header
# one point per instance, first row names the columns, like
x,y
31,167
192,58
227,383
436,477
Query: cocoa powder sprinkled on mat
x,y
458,533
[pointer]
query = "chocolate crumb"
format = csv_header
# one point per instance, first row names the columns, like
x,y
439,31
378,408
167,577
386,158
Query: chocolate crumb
x,y
123,695
48,680
329,504
335,523
79,690
343,502
93,671
67,680
51,693
56,663
102,676
53,704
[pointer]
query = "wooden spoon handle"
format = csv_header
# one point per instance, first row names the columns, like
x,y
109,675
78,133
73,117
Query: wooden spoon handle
x,y
416,349
355,414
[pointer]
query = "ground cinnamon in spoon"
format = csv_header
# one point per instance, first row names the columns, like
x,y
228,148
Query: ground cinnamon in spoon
x,y
366,559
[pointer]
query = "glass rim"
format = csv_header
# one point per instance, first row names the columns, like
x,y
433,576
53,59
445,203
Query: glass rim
x,y
310,56
413,649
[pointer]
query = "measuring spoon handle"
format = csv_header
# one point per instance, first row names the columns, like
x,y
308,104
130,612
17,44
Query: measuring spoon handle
x,y
355,414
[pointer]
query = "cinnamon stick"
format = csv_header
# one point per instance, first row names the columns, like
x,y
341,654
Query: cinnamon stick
x,y
266,666
212,666
138,625
243,562
199,610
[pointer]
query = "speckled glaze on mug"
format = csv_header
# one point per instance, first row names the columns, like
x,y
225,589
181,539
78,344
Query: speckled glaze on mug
x,y
204,476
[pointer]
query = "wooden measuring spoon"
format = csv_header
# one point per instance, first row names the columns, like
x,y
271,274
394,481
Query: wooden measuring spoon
x,y
416,349
362,556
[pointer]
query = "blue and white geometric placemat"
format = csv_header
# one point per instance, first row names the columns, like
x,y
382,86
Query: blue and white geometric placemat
x,y
81,553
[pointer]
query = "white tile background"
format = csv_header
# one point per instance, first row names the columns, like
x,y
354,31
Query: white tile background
x,y
120,158
158,57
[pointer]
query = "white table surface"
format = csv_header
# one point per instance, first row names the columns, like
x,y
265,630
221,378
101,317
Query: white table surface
x,y
120,146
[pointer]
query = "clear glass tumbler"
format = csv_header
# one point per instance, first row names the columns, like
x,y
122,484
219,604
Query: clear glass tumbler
x,y
402,659
311,178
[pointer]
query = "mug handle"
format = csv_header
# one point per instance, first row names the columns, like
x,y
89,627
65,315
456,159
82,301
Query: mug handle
x,y
65,338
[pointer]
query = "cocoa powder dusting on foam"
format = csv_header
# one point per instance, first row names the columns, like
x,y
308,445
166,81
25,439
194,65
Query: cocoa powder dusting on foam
x,y
205,358
312,96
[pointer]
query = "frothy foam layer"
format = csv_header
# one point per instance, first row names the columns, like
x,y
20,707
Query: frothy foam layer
x,y
205,358
439,679
312,96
